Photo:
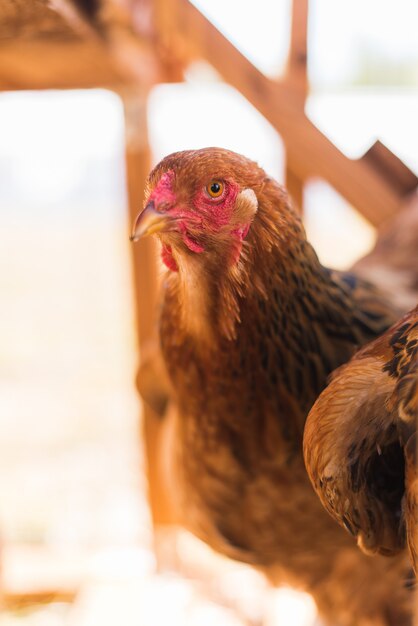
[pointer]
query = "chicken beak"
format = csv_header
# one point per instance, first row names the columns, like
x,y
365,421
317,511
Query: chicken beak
x,y
150,221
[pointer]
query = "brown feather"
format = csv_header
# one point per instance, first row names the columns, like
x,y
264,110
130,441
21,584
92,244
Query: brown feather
x,y
360,442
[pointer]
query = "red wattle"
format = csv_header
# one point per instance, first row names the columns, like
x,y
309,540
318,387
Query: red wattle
x,y
240,233
167,258
191,243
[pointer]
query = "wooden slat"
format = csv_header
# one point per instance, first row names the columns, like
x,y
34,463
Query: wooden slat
x,y
42,48
390,166
190,34
296,75
68,65
24,600
294,186
138,162
138,165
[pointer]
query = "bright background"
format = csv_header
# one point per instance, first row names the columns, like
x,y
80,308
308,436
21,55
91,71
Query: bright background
x,y
73,511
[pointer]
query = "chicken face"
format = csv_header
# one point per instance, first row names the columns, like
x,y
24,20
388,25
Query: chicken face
x,y
200,202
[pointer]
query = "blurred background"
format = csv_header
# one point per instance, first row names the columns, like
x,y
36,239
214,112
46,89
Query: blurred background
x,y
75,526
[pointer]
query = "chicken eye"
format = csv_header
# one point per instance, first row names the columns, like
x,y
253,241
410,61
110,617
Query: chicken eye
x,y
215,188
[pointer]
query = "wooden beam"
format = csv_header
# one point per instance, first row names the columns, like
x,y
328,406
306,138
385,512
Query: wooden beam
x,y
191,35
42,49
294,186
392,168
296,79
67,65
138,165
146,285
296,75
19,601
62,44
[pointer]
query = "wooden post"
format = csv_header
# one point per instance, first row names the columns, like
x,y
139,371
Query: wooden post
x,y
296,76
297,80
138,163
294,186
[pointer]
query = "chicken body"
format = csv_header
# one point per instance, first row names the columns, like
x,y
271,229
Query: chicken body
x,y
251,325
361,445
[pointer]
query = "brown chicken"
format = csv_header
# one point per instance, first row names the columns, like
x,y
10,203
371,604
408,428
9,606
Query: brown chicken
x,y
251,325
360,442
